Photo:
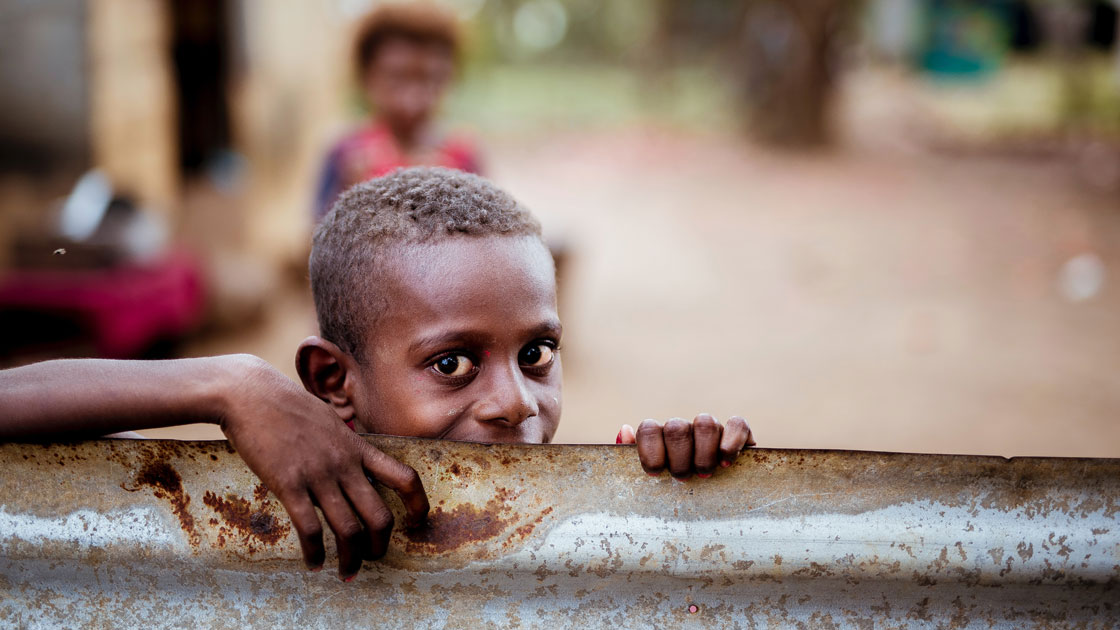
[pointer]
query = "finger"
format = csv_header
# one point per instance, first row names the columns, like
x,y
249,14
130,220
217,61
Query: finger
x,y
373,512
651,447
706,433
626,435
679,448
309,528
402,479
736,436
347,528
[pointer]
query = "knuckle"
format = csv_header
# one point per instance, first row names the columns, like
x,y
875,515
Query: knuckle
x,y
286,484
348,529
381,521
677,424
705,425
704,418
677,429
647,428
339,459
310,532
738,422
411,483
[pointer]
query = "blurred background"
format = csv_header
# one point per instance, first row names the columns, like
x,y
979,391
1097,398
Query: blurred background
x,y
877,224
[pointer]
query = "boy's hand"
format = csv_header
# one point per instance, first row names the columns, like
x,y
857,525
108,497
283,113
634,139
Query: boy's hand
x,y
684,448
307,456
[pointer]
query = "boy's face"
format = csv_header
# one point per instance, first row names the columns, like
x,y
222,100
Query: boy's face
x,y
406,79
467,346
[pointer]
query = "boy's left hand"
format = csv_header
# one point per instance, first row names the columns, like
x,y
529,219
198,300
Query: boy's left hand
x,y
686,448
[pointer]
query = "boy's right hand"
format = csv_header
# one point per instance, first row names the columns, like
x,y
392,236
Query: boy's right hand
x,y
307,456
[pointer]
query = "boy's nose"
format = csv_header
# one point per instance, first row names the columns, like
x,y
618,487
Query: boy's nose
x,y
508,399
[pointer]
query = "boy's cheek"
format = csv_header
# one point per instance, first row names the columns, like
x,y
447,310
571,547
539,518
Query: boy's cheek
x,y
400,411
550,407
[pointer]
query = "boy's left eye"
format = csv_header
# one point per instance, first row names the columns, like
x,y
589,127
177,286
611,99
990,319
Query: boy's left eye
x,y
536,355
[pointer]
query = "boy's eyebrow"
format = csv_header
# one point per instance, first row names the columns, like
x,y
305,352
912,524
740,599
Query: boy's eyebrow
x,y
549,327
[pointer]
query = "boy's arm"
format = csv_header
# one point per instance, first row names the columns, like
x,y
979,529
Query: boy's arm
x,y
297,446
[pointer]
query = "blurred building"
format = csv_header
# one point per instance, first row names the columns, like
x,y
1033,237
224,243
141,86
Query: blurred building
x,y
208,115
166,97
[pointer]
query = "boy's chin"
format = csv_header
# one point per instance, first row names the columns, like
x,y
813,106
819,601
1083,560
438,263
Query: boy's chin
x,y
525,433
503,435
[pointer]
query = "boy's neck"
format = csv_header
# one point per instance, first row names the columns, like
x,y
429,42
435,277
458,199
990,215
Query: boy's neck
x,y
408,137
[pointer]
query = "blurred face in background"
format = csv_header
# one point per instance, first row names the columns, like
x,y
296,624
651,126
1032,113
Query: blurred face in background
x,y
406,80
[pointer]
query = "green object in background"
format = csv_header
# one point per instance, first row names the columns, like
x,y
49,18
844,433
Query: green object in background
x,y
964,39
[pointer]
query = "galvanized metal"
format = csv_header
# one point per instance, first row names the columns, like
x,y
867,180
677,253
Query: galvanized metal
x,y
130,534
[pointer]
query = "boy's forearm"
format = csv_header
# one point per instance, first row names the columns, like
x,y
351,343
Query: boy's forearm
x,y
91,397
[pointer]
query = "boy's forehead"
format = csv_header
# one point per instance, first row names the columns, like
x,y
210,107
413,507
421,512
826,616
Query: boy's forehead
x,y
466,271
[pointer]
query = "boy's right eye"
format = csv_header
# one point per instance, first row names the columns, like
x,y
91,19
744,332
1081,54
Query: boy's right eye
x,y
454,365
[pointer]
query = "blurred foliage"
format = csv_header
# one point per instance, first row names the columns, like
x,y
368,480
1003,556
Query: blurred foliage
x,y
516,99
778,59
1028,96
769,68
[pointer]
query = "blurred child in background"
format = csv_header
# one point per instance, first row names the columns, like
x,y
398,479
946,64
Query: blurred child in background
x,y
405,57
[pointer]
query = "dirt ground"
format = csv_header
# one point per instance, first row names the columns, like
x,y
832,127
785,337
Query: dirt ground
x,y
861,299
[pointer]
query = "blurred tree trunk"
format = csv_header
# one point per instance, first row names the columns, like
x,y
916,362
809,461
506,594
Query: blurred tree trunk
x,y
1063,30
1117,3
787,57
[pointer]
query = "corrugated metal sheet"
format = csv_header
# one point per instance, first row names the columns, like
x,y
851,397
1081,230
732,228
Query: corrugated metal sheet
x,y
129,534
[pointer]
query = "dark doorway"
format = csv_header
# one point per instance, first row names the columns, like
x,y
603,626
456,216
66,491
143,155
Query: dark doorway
x,y
201,57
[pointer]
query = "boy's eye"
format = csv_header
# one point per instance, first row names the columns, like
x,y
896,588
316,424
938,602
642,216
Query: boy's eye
x,y
536,355
455,365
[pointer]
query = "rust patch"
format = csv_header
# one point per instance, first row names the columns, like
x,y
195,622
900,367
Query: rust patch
x,y
260,493
255,524
166,483
447,530
526,529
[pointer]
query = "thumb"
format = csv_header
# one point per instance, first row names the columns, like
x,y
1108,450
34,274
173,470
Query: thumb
x,y
626,435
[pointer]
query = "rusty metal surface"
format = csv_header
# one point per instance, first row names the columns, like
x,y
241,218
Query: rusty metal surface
x,y
130,534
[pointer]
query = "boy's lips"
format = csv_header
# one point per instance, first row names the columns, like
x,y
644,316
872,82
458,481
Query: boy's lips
x,y
524,433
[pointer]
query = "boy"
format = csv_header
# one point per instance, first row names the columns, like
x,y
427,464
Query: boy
x,y
405,56
437,313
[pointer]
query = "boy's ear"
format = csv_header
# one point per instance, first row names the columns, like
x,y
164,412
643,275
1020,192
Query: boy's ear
x,y
324,367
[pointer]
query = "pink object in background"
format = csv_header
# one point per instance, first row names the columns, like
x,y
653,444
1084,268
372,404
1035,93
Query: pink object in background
x,y
125,308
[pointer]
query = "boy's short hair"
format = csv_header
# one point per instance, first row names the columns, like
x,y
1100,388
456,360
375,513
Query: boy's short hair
x,y
419,22
412,205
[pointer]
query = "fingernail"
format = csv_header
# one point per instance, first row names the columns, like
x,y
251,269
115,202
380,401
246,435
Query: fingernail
x,y
725,463
618,440
349,578
682,479
315,569
653,474
703,475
